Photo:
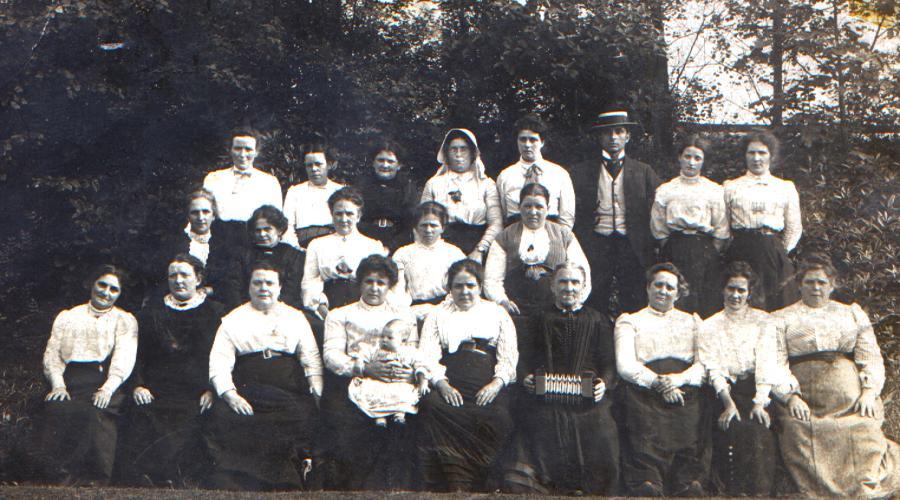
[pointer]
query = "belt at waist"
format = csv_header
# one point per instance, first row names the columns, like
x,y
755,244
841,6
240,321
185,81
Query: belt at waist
x,y
266,354
382,222
767,231
828,356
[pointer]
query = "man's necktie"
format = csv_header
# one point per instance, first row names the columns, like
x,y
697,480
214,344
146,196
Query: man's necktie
x,y
613,167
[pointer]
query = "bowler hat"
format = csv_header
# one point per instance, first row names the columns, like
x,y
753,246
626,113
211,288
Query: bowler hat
x,y
614,118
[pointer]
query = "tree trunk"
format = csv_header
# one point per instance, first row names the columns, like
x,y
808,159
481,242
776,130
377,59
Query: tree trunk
x,y
776,60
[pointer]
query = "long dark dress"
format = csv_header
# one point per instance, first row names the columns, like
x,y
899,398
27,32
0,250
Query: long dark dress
x,y
388,216
665,444
287,258
263,451
164,439
766,255
745,455
77,439
568,448
459,445
697,258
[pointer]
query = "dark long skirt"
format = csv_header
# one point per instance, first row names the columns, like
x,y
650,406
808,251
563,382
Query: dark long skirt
x,y
163,445
460,445
745,457
76,440
766,255
464,236
358,455
531,296
664,444
567,449
266,450
696,257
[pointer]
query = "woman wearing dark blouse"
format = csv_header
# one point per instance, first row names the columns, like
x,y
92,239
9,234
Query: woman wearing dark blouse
x,y
390,197
569,447
170,380
267,227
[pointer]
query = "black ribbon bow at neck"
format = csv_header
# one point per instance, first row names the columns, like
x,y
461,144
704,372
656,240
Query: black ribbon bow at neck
x,y
613,166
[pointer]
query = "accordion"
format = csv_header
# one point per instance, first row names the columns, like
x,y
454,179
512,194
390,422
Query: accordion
x,y
565,388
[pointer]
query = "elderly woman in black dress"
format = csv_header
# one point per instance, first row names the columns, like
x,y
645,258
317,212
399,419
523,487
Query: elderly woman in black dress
x,y
469,347
570,446
267,227
830,412
656,356
265,365
737,347
90,353
390,197
171,391
356,453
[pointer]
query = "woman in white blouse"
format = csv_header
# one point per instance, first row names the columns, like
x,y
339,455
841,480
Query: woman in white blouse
x,y
469,348
737,347
265,365
423,265
355,453
470,196
690,221
306,204
656,356
520,264
829,410
91,352
329,274
764,216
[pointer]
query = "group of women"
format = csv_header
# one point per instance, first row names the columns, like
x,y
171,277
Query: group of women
x,y
723,383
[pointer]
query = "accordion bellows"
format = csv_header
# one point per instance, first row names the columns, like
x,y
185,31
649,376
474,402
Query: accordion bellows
x,y
565,388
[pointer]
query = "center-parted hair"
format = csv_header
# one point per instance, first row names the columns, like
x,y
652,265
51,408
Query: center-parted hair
x,y
270,214
468,266
377,264
431,208
194,262
205,194
348,193
534,189
683,286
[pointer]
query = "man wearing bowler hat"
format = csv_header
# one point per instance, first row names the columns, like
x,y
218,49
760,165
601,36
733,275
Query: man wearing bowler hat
x,y
612,216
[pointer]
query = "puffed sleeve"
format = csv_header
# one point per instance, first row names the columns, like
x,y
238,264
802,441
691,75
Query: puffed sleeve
x,y
784,384
766,362
335,347
273,193
567,202
495,273
507,348
124,352
221,361
307,350
793,226
493,213
402,297
290,211
627,363
719,217
428,191
867,354
658,227
431,349
709,352
312,285
54,365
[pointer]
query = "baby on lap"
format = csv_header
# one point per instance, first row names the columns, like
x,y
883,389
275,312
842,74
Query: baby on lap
x,y
395,399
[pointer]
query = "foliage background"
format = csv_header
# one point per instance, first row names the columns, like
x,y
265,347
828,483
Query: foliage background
x,y
111,111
